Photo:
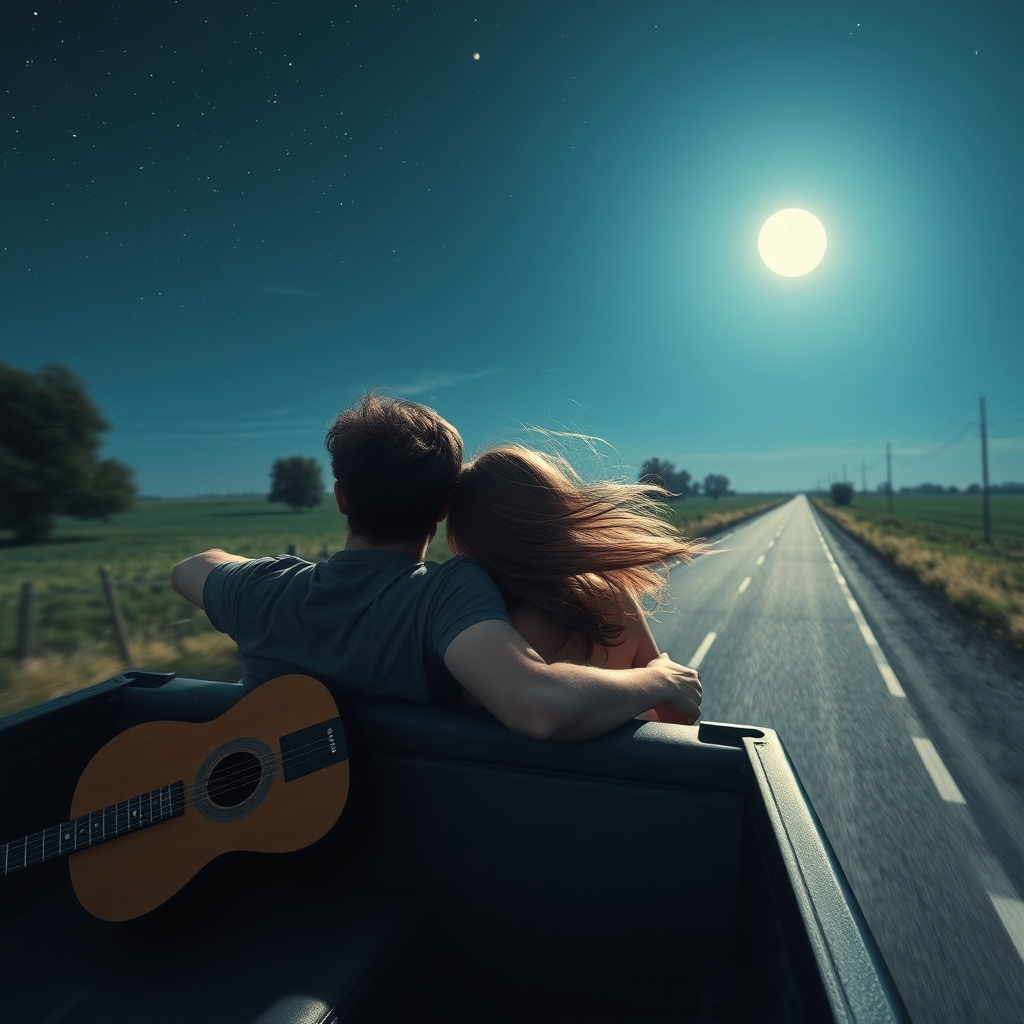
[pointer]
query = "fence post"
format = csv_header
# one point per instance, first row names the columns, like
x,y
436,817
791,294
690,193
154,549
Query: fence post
x,y
109,588
26,607
293,549
324,553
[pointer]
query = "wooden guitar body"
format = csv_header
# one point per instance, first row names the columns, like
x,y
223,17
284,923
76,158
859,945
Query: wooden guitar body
x,y
218,762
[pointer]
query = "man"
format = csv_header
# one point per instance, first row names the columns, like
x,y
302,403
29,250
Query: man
x,y
375,620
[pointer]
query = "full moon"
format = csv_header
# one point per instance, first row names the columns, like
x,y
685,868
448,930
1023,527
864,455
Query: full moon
x,y
792,242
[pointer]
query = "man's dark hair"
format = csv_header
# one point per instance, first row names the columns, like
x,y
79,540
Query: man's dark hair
x,y
397,462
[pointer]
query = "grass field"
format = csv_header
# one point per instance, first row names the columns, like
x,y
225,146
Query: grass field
x,y
958,511
938,541
73,637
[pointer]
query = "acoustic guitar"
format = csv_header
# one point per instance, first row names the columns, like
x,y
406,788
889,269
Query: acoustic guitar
x,y
162,799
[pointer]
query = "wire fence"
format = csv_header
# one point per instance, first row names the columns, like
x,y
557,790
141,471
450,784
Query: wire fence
x,y
29,596
70,592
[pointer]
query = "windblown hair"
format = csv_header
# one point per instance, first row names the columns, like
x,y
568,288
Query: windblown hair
x,y
568,548
397,462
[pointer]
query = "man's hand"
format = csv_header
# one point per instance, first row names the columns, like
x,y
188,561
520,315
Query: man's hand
x,y
684,708
189,576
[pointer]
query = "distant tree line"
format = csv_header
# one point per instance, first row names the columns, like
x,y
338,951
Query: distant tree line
x,y
926,488
680,484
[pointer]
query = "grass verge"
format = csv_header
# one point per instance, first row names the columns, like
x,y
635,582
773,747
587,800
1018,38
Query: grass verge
x,y
207,655
984,581
701,520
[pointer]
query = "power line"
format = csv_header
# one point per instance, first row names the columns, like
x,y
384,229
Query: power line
x,y
941,448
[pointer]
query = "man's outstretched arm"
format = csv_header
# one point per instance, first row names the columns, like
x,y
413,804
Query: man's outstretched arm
x,y
188,577
563,701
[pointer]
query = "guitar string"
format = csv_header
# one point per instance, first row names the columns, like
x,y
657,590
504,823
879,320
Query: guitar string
x,y
247,774
294,758
237,772
30,849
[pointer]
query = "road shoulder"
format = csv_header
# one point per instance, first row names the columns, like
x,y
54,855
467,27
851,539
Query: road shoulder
x,y
965,688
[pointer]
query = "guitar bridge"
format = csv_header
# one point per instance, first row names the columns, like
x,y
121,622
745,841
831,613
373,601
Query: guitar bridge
x,y
310,749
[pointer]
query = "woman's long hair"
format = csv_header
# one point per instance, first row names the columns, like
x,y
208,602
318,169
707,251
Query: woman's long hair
x,y
568,548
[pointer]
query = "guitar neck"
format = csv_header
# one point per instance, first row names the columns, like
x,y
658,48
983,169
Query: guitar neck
x,y
95,827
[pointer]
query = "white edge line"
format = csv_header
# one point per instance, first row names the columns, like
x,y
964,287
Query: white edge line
x,y
1011,913
892,683
948,789
705,646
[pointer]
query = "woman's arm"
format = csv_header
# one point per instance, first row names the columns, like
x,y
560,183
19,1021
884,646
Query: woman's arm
x,y
639,635
639,632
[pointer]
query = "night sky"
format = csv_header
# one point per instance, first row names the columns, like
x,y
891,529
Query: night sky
x,y
230,219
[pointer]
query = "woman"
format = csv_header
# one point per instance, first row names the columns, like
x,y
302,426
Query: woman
x,y
574,562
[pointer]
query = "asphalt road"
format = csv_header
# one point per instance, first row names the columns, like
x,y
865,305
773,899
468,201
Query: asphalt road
x,y
926,829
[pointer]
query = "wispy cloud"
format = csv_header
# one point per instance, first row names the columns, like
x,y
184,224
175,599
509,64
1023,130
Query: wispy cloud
x,y
285,290
433,380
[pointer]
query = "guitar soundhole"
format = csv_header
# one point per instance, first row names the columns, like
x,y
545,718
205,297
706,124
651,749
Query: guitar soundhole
x,y
234,779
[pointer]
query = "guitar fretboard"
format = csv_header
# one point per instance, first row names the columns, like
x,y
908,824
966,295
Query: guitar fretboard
x,y
96,827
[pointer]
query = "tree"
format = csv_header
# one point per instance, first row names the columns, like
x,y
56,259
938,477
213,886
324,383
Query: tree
x,y
665,474
296,481
842,494
49,437
716,485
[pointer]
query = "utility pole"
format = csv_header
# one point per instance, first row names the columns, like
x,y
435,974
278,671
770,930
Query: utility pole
x,y
888,463
863,479
984,477
844,472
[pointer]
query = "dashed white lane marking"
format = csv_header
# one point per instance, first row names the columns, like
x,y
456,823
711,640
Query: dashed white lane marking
x,y
744,585
892,684
771,543
760,561
948,789
705,646
1008,907
1011,913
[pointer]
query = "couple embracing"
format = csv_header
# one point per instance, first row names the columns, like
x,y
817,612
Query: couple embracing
x,y
539,616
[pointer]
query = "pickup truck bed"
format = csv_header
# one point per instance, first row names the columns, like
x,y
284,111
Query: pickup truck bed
x,y
659,873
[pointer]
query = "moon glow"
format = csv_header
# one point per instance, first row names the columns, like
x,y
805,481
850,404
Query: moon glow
x,y
792,242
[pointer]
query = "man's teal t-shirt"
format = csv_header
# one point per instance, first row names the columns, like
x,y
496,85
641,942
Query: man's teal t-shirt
x,y
373,623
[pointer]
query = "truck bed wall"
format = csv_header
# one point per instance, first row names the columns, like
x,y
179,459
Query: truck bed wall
x,y
632,877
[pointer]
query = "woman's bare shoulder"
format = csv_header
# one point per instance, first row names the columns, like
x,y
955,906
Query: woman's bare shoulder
x,y
535,628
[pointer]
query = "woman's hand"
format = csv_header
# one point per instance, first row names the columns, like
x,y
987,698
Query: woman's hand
x,y
667,713
684,708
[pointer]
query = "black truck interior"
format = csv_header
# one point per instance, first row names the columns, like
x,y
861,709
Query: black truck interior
x,y
658,873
